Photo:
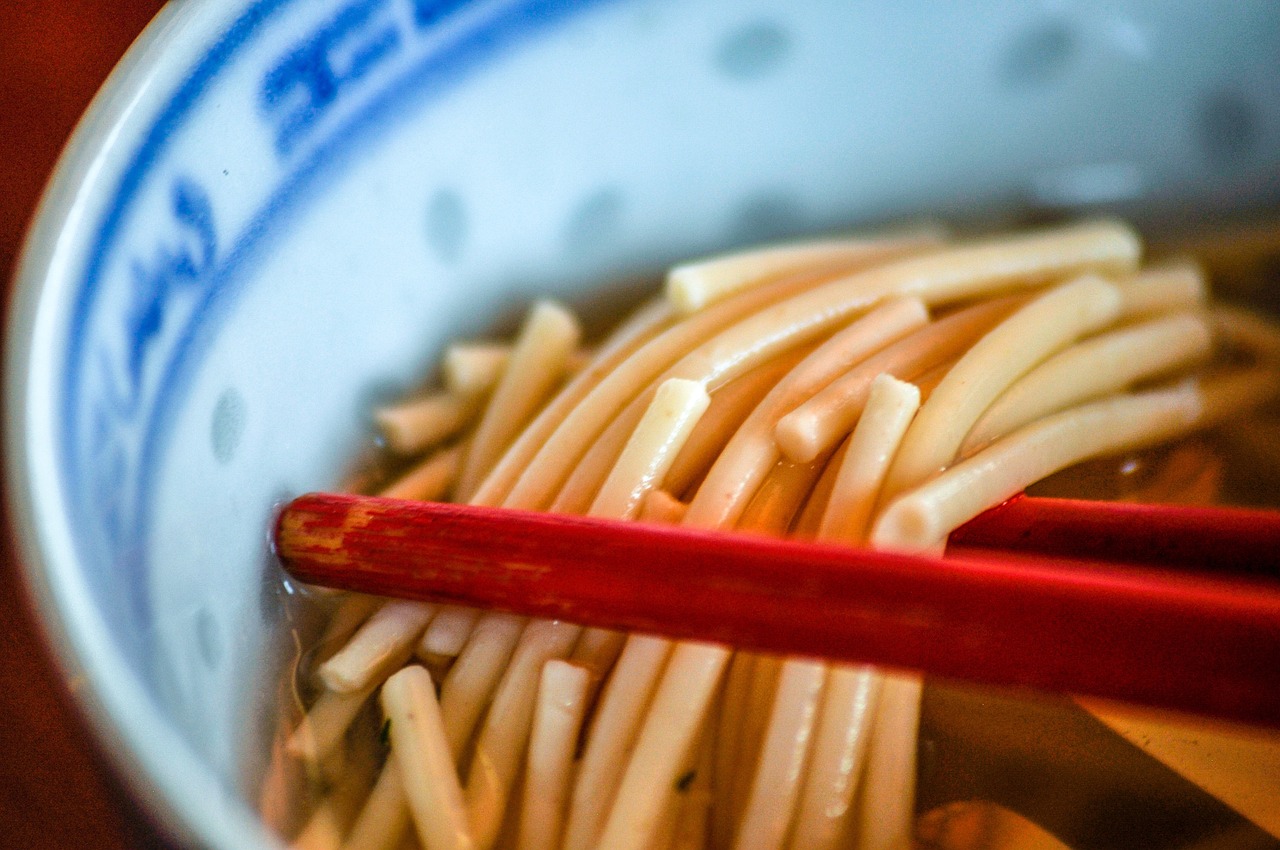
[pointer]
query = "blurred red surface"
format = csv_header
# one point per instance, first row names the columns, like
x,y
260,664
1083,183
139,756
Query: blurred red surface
x,y
56,787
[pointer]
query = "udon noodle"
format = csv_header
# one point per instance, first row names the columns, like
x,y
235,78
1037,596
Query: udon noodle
x,y
879,391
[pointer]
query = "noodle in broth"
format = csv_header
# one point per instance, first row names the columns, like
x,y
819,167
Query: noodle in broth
x,y
876,391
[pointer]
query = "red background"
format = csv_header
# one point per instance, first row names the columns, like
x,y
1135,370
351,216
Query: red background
x,y
56,789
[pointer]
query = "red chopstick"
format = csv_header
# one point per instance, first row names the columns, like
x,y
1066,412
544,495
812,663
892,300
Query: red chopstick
x,y
1182,639
1210,539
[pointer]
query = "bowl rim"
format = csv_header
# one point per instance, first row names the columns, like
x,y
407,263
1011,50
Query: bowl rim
x,y
177,789
163,71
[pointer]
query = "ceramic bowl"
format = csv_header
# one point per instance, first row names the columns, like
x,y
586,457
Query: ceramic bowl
x,y
278,211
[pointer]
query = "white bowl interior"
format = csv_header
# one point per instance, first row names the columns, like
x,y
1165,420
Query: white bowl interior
x,y
281,211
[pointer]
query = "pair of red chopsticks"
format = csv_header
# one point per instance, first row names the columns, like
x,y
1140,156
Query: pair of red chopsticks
x,y
1166,606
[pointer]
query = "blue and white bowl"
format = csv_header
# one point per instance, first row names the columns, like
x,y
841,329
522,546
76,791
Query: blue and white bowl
x,y
278,210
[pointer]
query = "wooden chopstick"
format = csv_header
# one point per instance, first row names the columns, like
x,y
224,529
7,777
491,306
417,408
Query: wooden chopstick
x,y
1180,639
1209,539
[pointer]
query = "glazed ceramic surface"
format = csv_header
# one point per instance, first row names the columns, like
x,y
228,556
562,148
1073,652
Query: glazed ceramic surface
x,y
279,211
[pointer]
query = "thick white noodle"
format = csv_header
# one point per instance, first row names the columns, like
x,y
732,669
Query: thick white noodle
x,y
1170,287
557,721
680,810
693,680
752,726
811,307
417,738
420,424
727,720
383,821
1014,262
783,756
468,687
920,519
670,418
430,480
730,405
1045,325
687,686
891,405
693,827
351,614
647,323
693,286
648,454
1096,367
823,421
738,471
472,370
713,347
586,479
825,807
839,750
621,710
582,485
322,728
808,309
537,363
888,787
504,734
449,630
378,647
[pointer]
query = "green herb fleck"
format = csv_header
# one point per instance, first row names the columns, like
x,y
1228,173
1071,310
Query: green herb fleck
x,y
385,734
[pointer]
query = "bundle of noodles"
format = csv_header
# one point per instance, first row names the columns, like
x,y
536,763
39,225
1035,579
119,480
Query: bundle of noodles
x,y
879,391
